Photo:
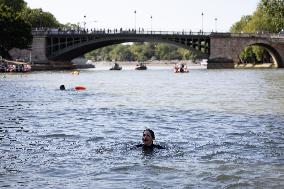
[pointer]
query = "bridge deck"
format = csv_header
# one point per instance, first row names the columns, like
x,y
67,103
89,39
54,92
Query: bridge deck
x,y
111,32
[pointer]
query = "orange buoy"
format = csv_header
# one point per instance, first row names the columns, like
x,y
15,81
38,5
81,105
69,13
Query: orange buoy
x,y
79,87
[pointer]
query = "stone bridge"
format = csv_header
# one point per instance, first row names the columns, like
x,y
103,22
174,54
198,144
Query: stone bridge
x,y
227,47
56,48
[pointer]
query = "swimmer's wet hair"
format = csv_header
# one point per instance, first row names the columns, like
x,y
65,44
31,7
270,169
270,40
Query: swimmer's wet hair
x,y
151,132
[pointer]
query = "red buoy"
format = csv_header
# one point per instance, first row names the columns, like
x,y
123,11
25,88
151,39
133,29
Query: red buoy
x,y
79,87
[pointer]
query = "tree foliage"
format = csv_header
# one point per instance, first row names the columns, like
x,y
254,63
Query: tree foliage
x,y
15,31
274,9
240,26
40,19
140,52
14,5
16,22
268,17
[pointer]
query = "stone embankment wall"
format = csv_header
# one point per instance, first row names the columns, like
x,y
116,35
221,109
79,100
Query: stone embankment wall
x,y
20,54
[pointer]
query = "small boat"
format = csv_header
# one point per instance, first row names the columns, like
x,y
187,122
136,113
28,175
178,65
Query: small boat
x,y
141,66
181,68
14,66
116,67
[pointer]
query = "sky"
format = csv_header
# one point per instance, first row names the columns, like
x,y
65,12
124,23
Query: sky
x,y
167,15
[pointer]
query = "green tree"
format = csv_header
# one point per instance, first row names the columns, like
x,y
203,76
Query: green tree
x,y
39,18
138,50
121,53
15,5
275,11
241,25
268,17
70,26
259,23
141,52
101,54
14,31
247,55
166,52
185,54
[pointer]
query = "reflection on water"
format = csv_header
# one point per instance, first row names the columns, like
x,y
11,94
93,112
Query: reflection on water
x,y
221,129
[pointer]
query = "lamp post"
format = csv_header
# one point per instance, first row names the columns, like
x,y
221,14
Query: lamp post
x,y
84,22
216,24
202,14
135,20
40,19
151,22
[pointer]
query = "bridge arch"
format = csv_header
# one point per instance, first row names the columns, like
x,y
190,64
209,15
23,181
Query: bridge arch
x,y
269,48
71,52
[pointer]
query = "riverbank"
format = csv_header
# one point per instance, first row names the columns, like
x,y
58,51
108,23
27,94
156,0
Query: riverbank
x,y
129,63
172,63
167,64
255,66
105,65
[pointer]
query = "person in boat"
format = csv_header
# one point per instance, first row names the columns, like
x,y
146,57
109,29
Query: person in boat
x,y
148,141
185,68
182,69
141,66
116,65
176,68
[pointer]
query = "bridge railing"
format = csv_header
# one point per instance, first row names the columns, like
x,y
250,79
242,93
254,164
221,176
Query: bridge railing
x,y
56,31
257,34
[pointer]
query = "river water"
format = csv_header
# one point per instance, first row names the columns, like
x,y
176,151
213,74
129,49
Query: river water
x,y
221,129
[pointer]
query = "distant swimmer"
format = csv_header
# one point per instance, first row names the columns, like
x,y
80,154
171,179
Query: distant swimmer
x,y
62,87
148,141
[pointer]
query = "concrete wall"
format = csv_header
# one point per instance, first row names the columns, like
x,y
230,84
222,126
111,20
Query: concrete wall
x,y
20,54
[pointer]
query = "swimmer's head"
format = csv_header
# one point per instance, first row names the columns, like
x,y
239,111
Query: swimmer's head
x,y
148,137
62,87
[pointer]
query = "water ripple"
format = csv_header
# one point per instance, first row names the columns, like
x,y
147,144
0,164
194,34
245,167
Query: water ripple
x,y
228,134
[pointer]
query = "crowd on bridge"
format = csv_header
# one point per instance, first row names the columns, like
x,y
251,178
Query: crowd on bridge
x,y
111,31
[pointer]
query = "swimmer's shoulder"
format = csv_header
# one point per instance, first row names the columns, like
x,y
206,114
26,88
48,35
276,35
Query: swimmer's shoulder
x,y
153,146
139,145
159,146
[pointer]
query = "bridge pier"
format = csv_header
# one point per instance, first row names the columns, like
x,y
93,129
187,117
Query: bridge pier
x,y
39,55
39,50
224,52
